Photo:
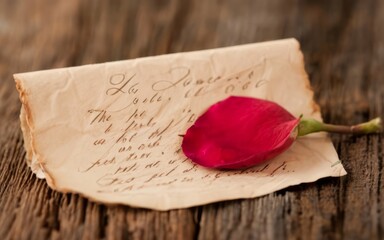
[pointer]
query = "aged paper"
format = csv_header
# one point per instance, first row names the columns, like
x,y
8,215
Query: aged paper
x,y
111,131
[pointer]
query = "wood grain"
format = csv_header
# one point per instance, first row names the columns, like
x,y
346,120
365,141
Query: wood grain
x,y
343,43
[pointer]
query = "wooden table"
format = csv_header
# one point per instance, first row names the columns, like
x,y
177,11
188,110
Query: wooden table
x,y
343,43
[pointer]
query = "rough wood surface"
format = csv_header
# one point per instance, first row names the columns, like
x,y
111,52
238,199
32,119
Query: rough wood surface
x,y
343,43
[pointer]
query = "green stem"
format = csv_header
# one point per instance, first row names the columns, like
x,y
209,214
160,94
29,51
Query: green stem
x,y
307,126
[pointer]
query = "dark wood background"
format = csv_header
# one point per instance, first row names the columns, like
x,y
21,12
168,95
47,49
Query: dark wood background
x,y
343,43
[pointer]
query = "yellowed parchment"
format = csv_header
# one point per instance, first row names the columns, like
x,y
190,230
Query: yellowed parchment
x,y
111,131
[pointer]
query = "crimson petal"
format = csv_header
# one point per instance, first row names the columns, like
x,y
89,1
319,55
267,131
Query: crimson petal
x,y
239,132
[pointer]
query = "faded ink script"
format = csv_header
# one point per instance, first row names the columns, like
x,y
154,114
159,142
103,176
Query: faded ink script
x,y
138,126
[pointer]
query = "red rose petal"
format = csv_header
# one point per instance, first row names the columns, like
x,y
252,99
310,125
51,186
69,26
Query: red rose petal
x,y
239,132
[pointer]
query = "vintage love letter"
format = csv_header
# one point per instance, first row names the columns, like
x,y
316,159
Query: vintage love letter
x,y
111,131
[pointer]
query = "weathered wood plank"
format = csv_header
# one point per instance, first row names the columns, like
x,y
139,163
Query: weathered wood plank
x,y
344,49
